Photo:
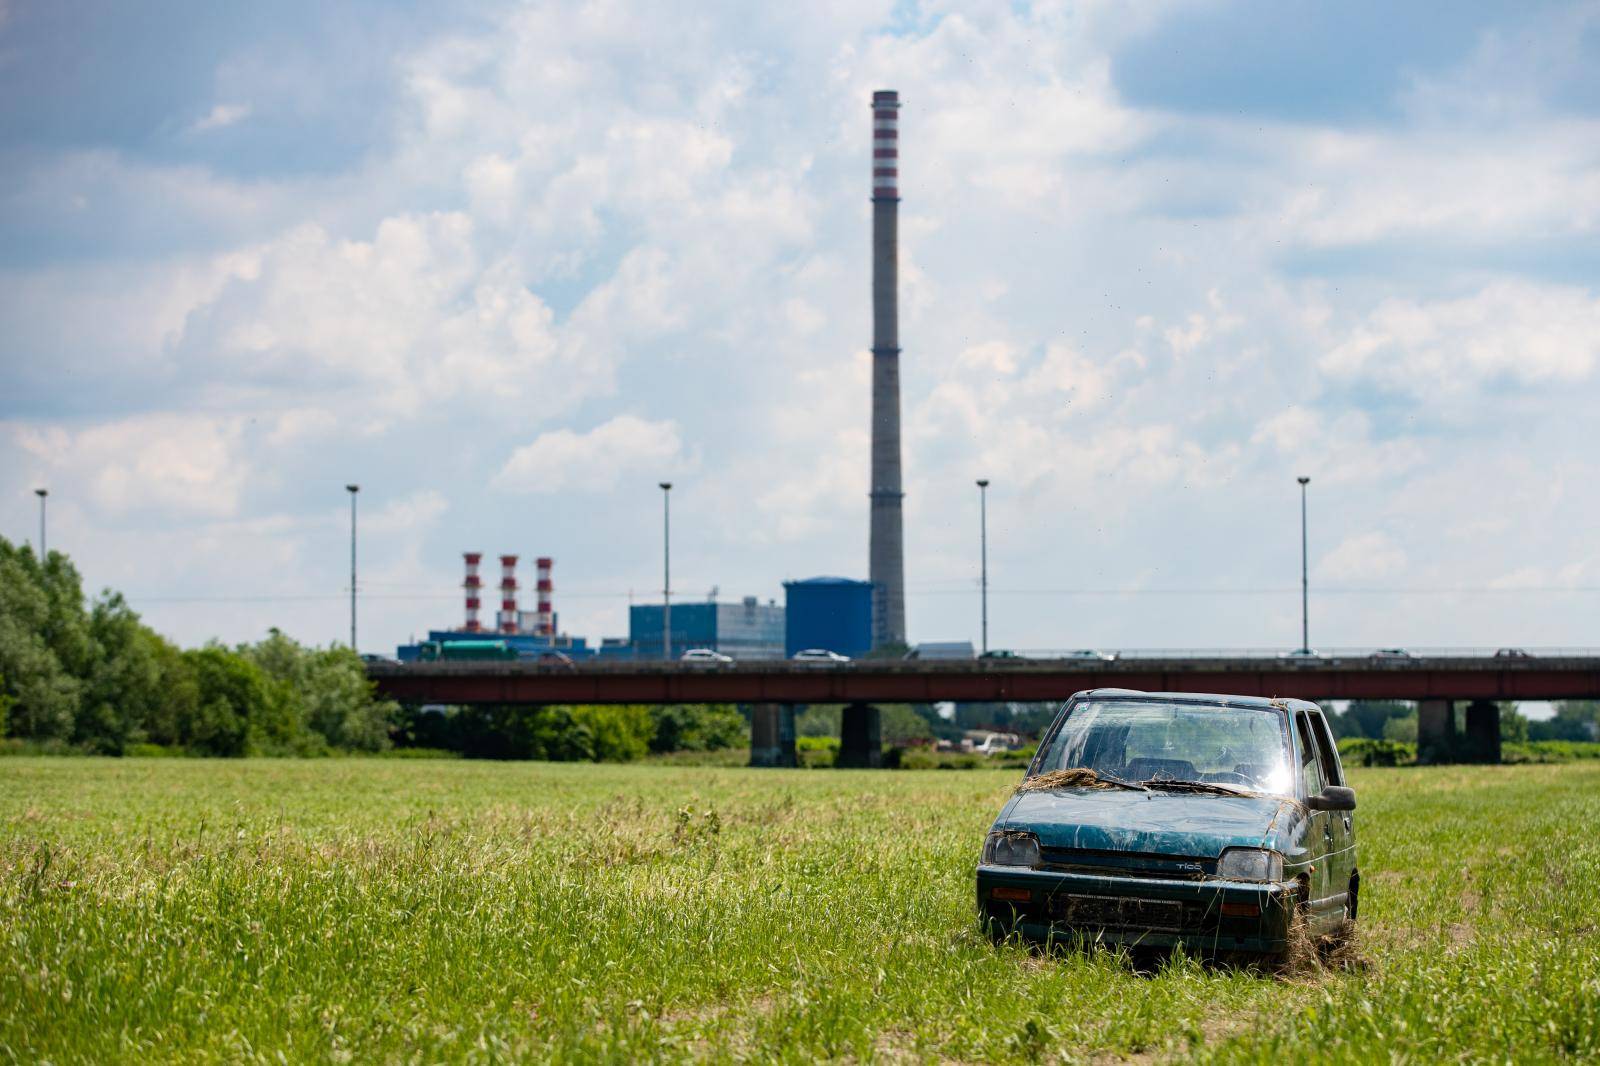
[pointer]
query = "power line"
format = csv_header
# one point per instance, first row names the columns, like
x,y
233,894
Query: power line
x,y
1478,590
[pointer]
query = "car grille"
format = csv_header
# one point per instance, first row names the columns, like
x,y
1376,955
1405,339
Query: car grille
x,y
1126,864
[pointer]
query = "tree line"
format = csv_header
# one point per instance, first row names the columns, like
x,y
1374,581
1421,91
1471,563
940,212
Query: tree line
x,y
91,676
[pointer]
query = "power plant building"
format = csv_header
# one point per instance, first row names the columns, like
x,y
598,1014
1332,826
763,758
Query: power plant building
x,y
834,613
745,630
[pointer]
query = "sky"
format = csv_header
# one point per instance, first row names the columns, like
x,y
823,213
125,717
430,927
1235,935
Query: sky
x,y
507,266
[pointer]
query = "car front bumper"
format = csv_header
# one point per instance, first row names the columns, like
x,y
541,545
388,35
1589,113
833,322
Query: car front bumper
x,y
1202,915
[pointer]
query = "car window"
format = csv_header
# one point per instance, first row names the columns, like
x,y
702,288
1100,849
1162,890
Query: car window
x,y
1310,774
1152,740
1327,752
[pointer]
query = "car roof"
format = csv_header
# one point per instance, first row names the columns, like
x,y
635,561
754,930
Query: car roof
x,y
1216,699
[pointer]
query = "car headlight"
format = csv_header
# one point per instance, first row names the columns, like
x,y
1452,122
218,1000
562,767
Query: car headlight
x,y
1250,864
1010,848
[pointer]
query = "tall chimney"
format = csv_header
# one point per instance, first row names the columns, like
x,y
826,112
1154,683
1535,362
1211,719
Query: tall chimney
x,y
886,549
547,618
473,587
508,593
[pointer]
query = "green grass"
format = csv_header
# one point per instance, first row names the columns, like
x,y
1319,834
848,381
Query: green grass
x,y
452,910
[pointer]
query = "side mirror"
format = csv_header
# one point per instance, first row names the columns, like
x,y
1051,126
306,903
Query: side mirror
x,y
1334,798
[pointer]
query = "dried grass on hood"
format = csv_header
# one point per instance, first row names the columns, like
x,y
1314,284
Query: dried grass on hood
x,y
1077,777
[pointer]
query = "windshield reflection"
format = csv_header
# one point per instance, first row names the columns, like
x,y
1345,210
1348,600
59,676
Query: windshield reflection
x,y
1178,746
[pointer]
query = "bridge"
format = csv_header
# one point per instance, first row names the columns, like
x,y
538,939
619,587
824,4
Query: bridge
x,y
774,688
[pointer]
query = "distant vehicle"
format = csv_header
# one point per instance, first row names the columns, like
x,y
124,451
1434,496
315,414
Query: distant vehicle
x,y
942,649
369,657
1001,654
820,655
1512,653
1302,655
704,655
995,743
1392,653
555,658
465,650
1091,655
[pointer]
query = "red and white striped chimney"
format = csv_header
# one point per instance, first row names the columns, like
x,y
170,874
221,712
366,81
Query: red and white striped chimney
x,y
473,587
886,144
547,617
508,593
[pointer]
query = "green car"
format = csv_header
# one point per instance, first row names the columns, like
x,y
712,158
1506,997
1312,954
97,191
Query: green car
x,y
1149,820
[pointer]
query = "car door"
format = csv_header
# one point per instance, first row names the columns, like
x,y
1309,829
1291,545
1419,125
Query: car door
x,y
1318,840
1341,824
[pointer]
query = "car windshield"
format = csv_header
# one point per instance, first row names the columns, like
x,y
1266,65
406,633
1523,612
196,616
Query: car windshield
x,y
1153,743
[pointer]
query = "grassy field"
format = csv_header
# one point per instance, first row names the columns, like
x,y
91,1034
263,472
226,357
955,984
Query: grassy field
x,y
444,910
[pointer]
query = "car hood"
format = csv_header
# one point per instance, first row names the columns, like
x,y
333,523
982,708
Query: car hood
x,y
1155,822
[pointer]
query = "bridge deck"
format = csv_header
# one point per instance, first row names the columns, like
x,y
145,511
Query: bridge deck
x,y
894,681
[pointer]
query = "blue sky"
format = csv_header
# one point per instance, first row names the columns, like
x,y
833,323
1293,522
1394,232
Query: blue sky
x,y
509,265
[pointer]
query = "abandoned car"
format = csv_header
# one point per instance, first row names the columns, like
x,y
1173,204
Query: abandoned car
x,y
1222,823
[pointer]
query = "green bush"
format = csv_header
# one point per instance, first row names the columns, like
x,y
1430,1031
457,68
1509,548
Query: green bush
x,y
696,727
1365,751
154,751
1549,751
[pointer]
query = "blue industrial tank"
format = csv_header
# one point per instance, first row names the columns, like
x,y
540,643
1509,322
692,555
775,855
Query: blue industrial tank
x,y
828,612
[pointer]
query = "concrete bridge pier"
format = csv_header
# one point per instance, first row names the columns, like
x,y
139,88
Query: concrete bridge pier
x,y
860,737
1438,740
772,735
1436,731
1482,740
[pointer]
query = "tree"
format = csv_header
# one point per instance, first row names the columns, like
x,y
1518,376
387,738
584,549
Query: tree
x,y
239,713
696,727
1513,725
126,686
328,696
1368,718
1574,720
42,640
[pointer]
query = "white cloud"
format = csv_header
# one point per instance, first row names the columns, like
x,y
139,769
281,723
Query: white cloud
x,y
221,116
181,463
1510,332
1362,557
564,461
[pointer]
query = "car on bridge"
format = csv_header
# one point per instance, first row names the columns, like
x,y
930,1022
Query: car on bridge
x,y
819,657
1091,655
705,657
1222,823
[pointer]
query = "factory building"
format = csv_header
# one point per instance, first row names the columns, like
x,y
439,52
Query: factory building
x,y
745,630
835,613
531,634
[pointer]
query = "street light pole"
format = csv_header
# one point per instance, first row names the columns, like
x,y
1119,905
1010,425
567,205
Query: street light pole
x,y
983,557
43,551
352,490
1305,585
666,570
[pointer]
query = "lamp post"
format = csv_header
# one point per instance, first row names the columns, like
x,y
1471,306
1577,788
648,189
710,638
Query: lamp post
x,y
983,558
1305,586
42,494
666,570
352,490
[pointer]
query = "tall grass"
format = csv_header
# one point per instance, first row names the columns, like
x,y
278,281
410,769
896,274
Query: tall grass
x,y
449,910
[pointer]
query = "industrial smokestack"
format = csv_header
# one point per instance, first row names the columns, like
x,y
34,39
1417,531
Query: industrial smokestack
x,y
508,593
473,587
886,550
547,615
